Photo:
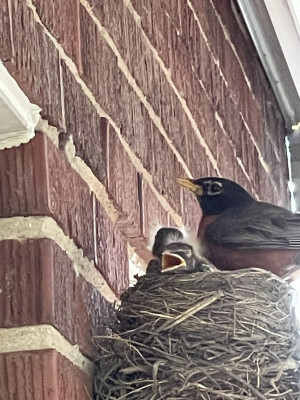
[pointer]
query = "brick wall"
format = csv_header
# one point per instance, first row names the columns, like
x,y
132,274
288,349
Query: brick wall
x,y
134,93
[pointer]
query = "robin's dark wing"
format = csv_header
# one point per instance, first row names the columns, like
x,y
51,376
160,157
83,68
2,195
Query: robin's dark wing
x,y
259,224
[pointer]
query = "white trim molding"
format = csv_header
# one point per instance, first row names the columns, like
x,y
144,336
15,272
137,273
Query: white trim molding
x,y
275,34
274,26
18,117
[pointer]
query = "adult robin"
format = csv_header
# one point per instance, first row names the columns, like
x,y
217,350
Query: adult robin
x,y
239,232
174,254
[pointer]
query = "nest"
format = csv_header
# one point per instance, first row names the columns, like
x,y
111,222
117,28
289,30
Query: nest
x,y
217,335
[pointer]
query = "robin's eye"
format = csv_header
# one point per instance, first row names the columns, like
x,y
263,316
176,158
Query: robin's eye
x,y
215,188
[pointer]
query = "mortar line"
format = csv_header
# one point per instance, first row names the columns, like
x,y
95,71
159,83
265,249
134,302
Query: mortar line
x,y
239,160
39,227
267,134
134,159
79,166
230,142
95,185
43,337
122,66
167,73
263,162
137,18
132,82
227,37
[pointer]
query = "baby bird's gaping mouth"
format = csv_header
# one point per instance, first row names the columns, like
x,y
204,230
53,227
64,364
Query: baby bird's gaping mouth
x,y
171,261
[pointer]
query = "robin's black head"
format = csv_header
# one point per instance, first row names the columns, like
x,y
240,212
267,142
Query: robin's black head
x,y
216,195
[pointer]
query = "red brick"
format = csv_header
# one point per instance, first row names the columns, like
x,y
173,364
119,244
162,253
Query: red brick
x,y
152,13
70,200
260,86
36,179
123,185
67,33
147,73
35,65
274,125
137,128
25,266
117,20
112,90
23,178
228,101
6,45
153,212
39,286
93,315
104,82
198,162
111,252
89,131
154,16
111,14
168,106
231,68
191,211
42,375
141,6
174,118
136,125
165,170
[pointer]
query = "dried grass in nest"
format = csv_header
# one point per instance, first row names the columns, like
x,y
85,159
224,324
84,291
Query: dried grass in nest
x,y
219,335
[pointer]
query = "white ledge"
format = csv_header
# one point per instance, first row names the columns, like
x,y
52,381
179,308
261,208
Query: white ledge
x,y
42,337
17,115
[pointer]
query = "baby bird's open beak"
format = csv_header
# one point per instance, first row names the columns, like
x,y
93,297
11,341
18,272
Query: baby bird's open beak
x,y
171,261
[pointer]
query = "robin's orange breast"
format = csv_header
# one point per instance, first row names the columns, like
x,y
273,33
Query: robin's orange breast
x,y
279,261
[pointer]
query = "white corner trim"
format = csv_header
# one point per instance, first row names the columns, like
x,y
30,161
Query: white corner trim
x,y
294,6
17,115
284,18
275,36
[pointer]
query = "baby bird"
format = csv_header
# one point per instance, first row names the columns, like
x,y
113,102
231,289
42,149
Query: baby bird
x,y
174,253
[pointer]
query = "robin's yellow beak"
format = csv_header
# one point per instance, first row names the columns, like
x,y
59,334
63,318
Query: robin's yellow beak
x,y
190,184
172,261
